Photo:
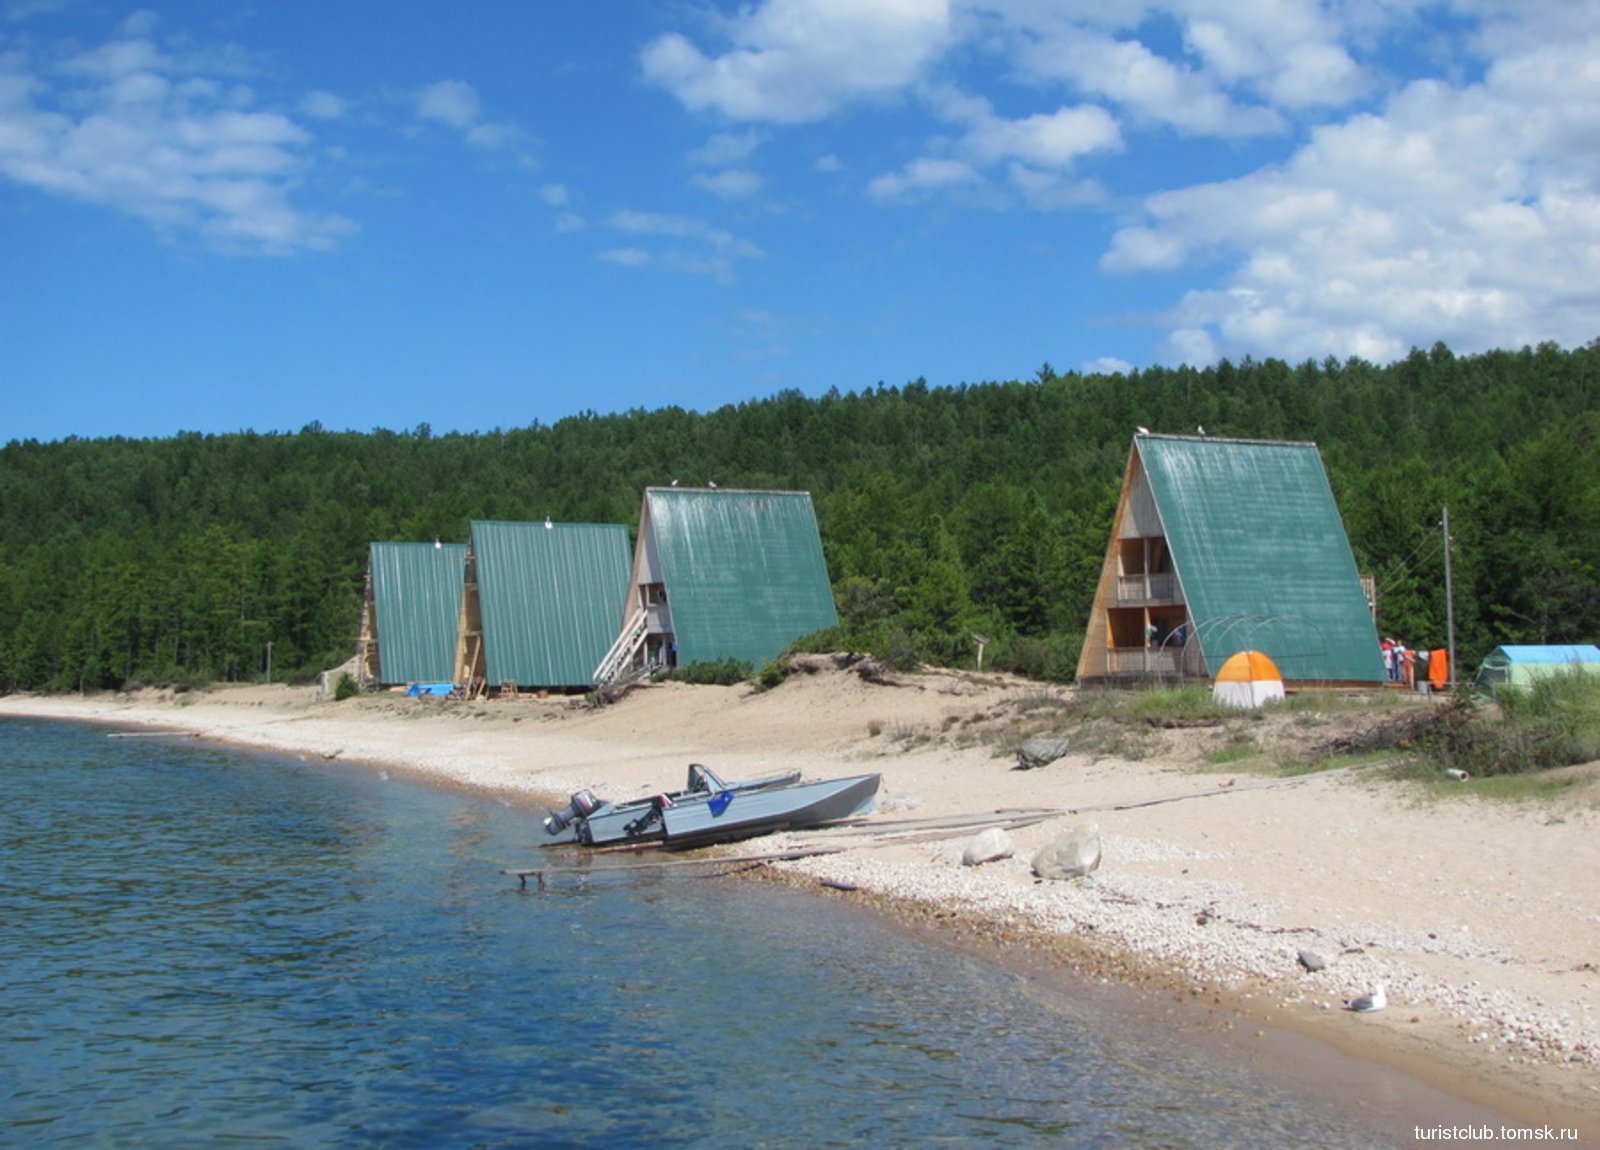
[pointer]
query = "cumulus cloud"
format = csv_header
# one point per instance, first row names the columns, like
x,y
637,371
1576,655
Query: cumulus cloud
x,y
1464,213
1032,152
1149,87
792,61
126,126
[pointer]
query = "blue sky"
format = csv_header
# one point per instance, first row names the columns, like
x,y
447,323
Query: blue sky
x,y
216,217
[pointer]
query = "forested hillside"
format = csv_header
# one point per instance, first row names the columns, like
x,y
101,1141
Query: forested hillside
x,y
943,511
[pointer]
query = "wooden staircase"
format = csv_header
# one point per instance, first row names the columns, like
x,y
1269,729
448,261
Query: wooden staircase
x,y
623,650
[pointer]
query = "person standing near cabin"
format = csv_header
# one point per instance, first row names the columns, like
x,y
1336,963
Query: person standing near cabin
x,y
1387,649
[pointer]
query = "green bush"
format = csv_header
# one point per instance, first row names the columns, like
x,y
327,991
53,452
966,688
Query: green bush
x,y
346,688
721,673
1555,722
772,674
1052,660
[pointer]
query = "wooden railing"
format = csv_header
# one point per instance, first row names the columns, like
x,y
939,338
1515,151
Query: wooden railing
x,y
1147,588
1145,660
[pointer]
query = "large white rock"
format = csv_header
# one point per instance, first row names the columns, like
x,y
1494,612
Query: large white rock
x,y
988,846
1073,854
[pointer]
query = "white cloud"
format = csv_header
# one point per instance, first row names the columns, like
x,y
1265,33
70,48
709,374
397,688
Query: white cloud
x,y
1033,150
127,127
1053,191
729,152
455,104
1287,50
923,175
1148,86
1049,140
791,61
684,244
730,183
559,196
1463,213
1107,365
626,257
324,106
728,149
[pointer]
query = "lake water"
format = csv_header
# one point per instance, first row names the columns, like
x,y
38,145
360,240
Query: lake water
x,y
200,945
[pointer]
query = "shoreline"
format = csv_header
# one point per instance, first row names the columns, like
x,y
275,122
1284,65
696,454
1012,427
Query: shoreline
x,y
1202,901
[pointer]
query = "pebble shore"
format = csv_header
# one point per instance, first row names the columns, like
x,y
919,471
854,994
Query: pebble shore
x,y
1211,936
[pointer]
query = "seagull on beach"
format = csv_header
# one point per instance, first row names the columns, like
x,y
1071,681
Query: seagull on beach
x,y
1367,1003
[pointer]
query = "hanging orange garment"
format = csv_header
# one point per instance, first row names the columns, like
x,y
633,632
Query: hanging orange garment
x,y
1439,668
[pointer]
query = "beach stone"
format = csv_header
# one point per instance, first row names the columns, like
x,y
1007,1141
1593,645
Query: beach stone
x,y
1312,961
1037,752
988,846
1073,854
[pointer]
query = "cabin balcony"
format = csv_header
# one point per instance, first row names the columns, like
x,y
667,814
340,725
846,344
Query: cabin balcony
x,y
658,619
1141,661
1161,587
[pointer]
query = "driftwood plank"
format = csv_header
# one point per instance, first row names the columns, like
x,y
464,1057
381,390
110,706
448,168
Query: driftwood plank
x,y
666,864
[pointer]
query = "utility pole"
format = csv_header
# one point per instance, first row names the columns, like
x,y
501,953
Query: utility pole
x,y
1449,602
269,658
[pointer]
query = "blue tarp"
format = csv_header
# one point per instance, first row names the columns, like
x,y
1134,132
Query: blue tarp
x,y
417,690
1557,653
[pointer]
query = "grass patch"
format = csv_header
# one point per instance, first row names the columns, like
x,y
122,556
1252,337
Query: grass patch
x,y
1174,705
1513,788
1235,750
1040,701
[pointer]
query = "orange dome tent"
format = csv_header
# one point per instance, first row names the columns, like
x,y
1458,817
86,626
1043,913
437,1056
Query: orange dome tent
x,y
1247,680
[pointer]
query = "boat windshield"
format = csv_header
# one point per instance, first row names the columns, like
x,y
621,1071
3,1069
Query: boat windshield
x,y
703,780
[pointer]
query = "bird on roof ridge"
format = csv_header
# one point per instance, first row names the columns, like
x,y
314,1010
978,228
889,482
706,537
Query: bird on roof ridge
x,y
1142,430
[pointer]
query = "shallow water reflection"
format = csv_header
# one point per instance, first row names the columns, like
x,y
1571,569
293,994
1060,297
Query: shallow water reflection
x,y
202,944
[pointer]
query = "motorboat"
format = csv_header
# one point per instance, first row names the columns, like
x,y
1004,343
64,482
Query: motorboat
x,y
709,810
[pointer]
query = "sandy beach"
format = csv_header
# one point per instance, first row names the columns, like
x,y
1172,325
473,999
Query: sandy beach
x,y
1481,919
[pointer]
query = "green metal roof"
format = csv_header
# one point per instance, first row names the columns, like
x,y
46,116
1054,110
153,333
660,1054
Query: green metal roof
x,y
743,570
1261,555
549,597
416,594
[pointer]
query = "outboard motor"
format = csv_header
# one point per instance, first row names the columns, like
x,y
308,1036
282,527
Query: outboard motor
x,y
582,805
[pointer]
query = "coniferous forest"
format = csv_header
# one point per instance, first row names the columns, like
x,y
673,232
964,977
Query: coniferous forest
x,y
943,511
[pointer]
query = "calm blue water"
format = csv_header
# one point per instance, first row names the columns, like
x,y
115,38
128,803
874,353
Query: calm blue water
x,y
202,945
